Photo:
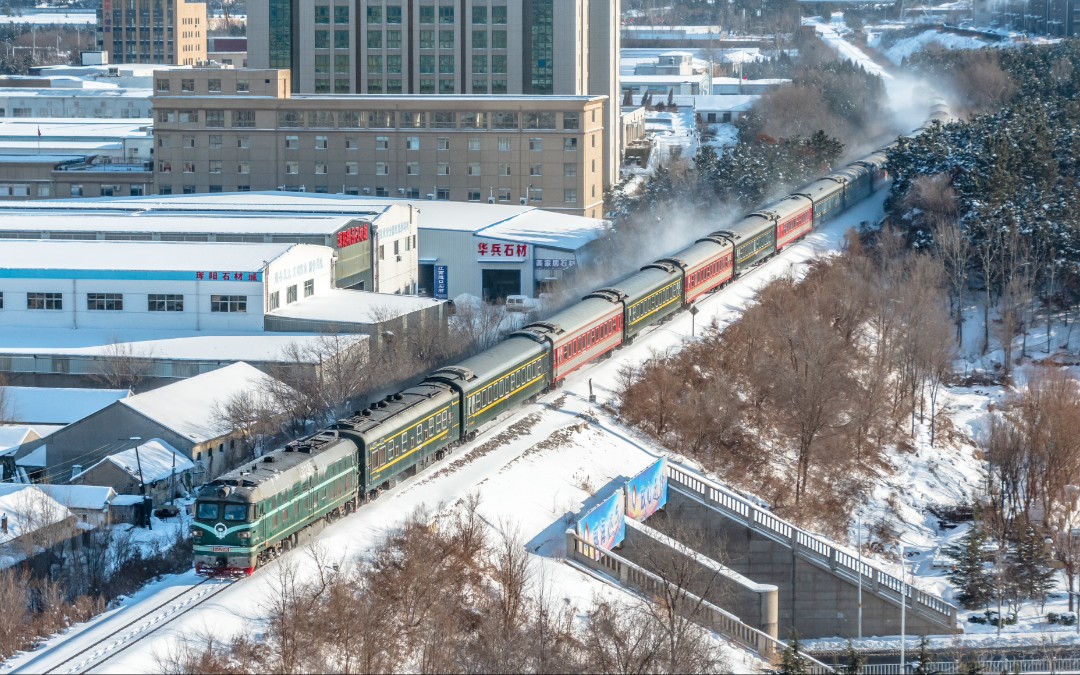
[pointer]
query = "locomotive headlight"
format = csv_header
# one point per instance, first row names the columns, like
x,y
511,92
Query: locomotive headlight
x,y
245,535
196,533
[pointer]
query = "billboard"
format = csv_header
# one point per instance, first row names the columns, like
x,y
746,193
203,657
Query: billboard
x,y
604,526
441,287
647,492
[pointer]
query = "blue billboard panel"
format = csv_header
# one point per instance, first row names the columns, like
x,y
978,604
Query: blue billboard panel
x,y
440,282
647,492
604,526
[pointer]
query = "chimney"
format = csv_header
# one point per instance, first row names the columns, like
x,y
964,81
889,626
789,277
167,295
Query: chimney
x,y
76,470
3,523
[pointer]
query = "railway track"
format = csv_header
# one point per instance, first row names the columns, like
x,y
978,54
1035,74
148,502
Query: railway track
x,y
129,633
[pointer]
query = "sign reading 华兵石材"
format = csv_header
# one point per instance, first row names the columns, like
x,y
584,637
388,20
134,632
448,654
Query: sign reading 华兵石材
x,y
500,251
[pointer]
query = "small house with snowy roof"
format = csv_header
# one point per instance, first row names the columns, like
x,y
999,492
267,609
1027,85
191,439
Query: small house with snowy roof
x,y
152,468
182,415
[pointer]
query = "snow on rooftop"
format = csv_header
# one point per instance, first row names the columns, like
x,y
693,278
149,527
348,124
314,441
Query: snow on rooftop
x,y
53,405
548,229
345,306
28,509
38,458
18,256
154,459
72,128
70,18
729,102
88,497
159,344
187,407
40,159
14,435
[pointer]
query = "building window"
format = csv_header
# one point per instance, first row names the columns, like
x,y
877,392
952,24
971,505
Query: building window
x,y
164,167
189,116
44,300
215,141
322,14
570,196
479,65
412,168
243,119
474,169
536,195
215,166
1,300
243,167
427,14
442,169
536,144
474,144
188,141
504,194
569,170
322,39
504,120
542,120
536,169
571,121
309,288
569,144
504,144
290,294
393,64
474,195
214,86
351,168
320,142
382,142
479,38
374,39
498,39
273,301
228,303
442,143
111,302
162,84
292,168
320,168
242,87
427,39
341,14
187,85
189,167
504,169
76,190
374,14
292,142
164,302
498,15
382,169
412,143
446,65
446,14
290,118
393,39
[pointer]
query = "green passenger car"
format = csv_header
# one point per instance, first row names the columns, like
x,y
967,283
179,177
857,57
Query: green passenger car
x,y
492,382
403,433
249,514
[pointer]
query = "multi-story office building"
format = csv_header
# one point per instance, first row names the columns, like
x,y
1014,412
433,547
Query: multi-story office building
x,y
527,47
225,130
152,31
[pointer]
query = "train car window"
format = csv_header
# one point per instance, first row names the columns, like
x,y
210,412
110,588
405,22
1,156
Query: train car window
x,y
207,511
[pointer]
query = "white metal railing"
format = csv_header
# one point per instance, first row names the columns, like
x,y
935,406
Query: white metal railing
x,y
985,666
810,547
713,617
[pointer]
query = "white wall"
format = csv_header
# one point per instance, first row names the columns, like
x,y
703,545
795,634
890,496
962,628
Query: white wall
x,y
396,273
196,314
458,251
302,263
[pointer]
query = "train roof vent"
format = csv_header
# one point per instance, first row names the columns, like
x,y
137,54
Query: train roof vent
x,y
224,491
382,404
366,412
248,483
609,294
399,397
269,459
660,265
674,261
548,326
304,447
463,373
291,447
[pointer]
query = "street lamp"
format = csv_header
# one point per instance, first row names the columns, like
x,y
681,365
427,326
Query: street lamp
x,y
142,483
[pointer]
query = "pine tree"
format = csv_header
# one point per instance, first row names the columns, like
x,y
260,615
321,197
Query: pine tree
x,y
670,96
1031,565
792,661
975,587
854,660
922,660
628,98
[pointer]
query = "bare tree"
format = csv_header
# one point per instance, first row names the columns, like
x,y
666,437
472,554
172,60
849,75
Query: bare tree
x,y
7,414
123,365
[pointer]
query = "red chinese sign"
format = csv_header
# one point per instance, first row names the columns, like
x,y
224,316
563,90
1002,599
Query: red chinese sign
x,y
353,235
228,276
501,252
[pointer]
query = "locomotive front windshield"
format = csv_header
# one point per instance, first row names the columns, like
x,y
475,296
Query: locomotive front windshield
x,y
214,510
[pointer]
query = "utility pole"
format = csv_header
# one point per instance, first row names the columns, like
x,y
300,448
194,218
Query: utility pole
x,y
903,607
859,539
142,483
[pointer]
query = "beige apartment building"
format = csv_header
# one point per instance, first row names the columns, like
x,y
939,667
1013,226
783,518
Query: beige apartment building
x,y
445,47
225,130
172,32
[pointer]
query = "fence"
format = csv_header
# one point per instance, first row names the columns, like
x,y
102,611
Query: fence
x,y
814,550
1064,665
710,616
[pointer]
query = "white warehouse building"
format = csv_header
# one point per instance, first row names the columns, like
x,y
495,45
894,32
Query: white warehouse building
x,y
122,285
